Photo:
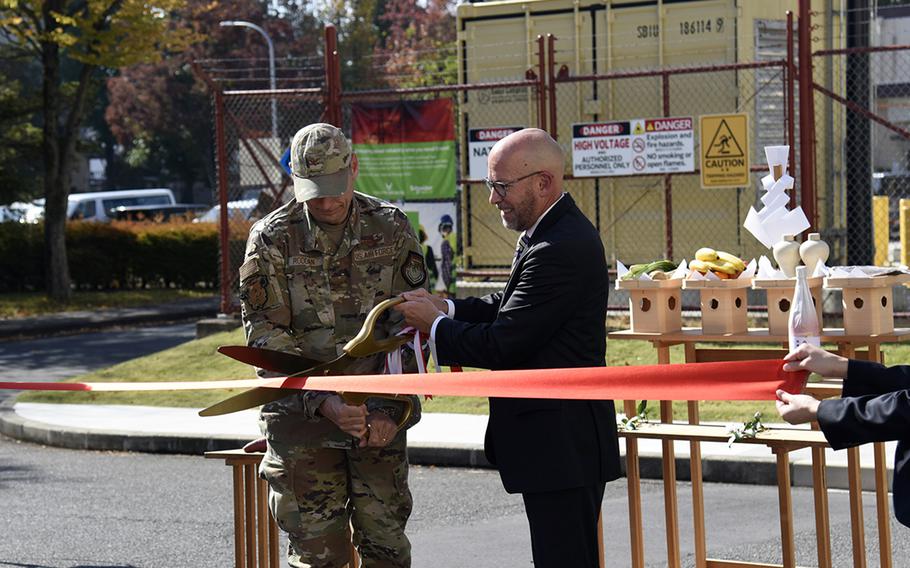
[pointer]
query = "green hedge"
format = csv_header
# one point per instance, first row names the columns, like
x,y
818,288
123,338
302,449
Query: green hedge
x,y
119,255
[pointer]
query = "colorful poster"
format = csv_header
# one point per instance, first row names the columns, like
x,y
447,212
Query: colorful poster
x,y
435,226
406,149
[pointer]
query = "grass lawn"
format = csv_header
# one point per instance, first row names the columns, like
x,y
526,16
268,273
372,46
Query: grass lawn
x,y
18,305
198,361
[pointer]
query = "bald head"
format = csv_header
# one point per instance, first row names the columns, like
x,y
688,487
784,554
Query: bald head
x,y
528,165
528,150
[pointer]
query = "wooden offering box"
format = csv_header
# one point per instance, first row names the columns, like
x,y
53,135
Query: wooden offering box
x,y
655,305
780,296
723,304
867,303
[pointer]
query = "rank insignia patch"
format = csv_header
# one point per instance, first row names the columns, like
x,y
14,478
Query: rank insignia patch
x,y
413,270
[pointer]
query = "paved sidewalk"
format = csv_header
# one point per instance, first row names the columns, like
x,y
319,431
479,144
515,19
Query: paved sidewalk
x,y
438,439
97,319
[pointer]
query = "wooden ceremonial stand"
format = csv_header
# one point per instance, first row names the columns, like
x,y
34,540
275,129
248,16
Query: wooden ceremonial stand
x,y
780,441
255,531
868,317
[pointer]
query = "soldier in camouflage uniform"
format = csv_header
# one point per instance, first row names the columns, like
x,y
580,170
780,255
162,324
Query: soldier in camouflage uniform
x,y
313,270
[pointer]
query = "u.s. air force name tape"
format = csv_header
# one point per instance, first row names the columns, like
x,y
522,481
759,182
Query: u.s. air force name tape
x,y
734,380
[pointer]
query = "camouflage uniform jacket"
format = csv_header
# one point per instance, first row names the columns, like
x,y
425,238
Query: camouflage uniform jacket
x,y
301,295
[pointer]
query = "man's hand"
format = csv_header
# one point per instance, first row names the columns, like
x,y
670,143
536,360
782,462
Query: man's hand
x,y
796,408
420,309
440,304
810,358
381,428
350,419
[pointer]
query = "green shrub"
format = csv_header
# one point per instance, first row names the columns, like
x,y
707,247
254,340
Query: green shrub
x,y
179,254
21,257
100,255
123,254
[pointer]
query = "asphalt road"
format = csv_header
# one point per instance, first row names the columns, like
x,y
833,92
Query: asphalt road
x,y
55,358
83,509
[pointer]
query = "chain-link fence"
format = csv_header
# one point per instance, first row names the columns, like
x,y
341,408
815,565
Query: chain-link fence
x,y
861,121
645,217
862,136
255,131
863,148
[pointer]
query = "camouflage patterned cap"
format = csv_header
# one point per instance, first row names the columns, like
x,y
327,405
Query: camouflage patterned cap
x,y
320,162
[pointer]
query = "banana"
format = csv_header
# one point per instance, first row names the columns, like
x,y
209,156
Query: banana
x,y
699,265
732,259
706,254
723,266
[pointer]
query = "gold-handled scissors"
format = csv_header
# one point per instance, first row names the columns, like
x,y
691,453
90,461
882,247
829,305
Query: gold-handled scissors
x,y
362,345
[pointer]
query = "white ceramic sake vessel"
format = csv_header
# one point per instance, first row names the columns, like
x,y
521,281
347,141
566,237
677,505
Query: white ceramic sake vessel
x,y
786,253
813,251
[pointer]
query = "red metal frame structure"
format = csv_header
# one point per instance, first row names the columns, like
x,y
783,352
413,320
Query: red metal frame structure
x,y
332,78
544,78
333,100
806,115
223,230
791,97
851,105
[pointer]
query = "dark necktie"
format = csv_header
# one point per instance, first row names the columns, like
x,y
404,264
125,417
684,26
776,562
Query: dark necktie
x,y
522,245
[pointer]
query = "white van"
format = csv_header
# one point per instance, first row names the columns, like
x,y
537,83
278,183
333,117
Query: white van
x,y
97,206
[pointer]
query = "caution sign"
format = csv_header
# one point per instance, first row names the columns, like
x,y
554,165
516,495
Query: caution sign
x,y
724,150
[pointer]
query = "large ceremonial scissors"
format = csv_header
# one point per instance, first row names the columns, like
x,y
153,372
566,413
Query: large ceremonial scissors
x,y
362,345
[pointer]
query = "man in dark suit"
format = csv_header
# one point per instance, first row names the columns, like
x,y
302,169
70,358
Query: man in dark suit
x,y
557,453
874,407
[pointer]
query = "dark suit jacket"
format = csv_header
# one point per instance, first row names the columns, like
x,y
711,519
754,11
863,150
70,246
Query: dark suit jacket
x,y
875,407
551,314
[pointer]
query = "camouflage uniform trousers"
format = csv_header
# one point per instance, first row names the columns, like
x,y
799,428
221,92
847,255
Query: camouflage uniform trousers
x,y
315,493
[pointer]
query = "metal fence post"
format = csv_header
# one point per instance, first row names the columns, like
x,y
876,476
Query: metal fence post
x,y
806,115
905,231
332,99
224,230
551,79
668,178
791,104
541,85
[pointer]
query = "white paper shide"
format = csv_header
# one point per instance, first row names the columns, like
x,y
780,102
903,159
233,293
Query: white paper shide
x,y
774,220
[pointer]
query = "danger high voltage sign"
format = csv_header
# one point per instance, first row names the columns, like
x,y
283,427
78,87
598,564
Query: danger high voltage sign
x,y
638,146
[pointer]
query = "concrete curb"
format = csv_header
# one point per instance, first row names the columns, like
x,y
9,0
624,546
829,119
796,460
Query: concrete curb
x,y
73,321
19,428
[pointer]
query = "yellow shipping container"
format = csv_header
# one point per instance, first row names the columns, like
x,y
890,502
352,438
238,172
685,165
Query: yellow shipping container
x,y
497,42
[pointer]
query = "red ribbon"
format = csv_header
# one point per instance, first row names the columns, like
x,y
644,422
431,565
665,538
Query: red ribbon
x,y
728,380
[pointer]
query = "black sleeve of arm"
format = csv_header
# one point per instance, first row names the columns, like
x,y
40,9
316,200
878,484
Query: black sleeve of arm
x,y
858,420
870,378
477,310
551,289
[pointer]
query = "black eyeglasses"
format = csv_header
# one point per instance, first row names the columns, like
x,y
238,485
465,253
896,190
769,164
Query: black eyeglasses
x,y
502,187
